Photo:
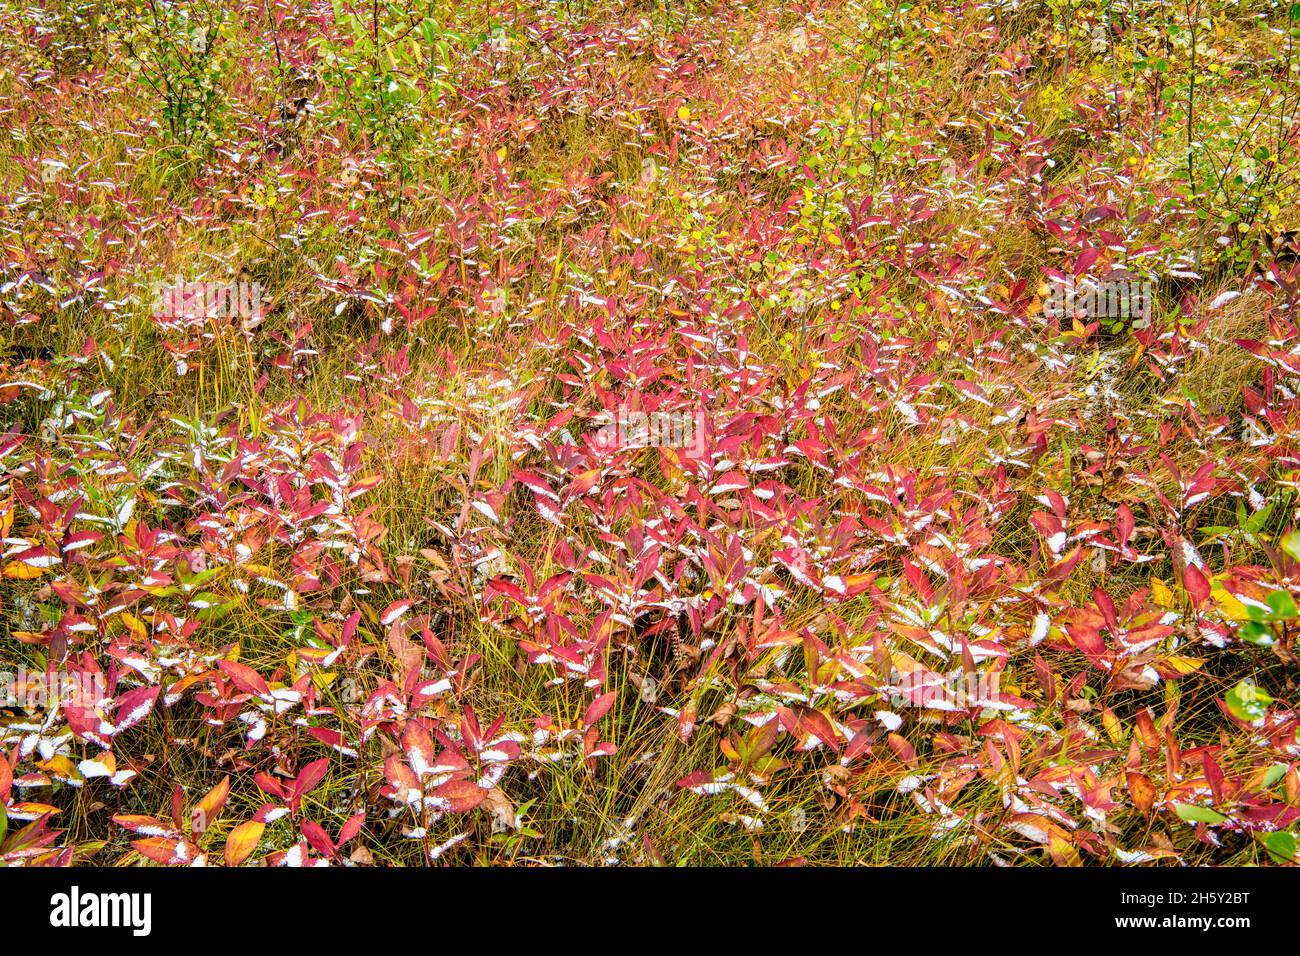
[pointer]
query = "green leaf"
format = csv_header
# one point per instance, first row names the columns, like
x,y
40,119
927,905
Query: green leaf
x,y
1291,544
1247,702
1274,774
1194,814
1280,846
1256,521
1282,605
4,823
1253,632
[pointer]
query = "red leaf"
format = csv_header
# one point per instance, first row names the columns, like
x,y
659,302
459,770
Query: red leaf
x,y
1087,639
270,785
352,827
1214,776
462,795
310,777
134,707
394,611
1085,260
318,838
6,779
150,826
1197,587
1124,524
599,707
902,749
817,724
418,746
400,777
244,677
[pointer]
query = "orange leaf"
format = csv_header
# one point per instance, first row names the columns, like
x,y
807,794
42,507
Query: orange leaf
x,y
1142,790
161,849
243,841
207,810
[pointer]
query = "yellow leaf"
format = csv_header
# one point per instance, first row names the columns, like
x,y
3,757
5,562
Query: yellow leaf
x,y
683,113
61,767
1114,729
1229,605
18,571
1176,666
243,841
1160,591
